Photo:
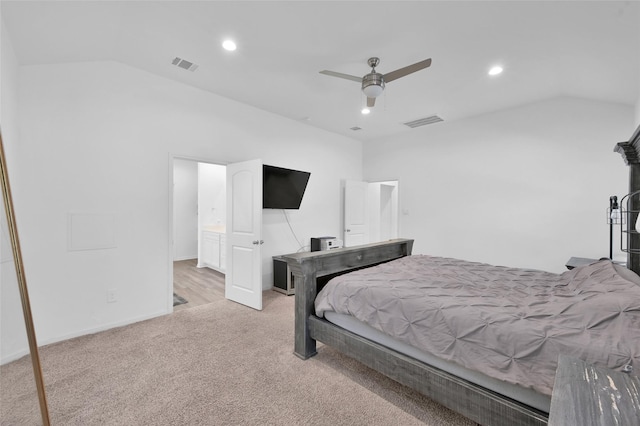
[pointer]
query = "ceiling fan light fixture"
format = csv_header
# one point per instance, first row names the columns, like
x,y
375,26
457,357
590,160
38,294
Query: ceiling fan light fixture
x,y
373,90
372,85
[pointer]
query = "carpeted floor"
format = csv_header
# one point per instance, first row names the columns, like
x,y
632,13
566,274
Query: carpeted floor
x,y
216,364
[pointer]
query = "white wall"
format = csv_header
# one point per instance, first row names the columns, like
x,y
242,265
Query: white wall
x,y
638,108
525,187
100,137
637,115
13,337
185,209
212,195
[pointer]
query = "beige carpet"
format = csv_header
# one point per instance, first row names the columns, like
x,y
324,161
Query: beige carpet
x,y
216,364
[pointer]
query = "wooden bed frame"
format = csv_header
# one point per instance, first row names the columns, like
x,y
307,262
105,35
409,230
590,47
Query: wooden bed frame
x,y
311,270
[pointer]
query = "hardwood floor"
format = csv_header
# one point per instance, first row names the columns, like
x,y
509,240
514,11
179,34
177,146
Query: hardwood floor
x,y
198,286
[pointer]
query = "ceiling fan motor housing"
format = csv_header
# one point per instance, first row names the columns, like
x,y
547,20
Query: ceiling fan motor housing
x,y
372,84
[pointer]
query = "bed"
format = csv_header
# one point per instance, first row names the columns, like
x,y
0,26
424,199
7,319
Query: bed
x,y
484,387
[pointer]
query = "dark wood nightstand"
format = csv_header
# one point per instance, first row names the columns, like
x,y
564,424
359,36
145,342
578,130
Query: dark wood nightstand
x,y
574,262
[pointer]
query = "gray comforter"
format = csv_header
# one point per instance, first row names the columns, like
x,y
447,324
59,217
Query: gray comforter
x,y
507,323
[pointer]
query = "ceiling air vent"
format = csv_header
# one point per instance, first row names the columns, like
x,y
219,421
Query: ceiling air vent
x,y
356,128
423,121
179,62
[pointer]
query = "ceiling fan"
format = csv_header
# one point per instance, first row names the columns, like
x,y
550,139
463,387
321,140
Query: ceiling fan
x,y
373,83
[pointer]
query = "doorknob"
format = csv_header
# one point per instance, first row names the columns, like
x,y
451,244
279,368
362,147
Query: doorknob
x,y
256,242
347,230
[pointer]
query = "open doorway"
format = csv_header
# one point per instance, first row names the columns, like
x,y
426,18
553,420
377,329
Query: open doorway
x,y
370,212
383,207
199,233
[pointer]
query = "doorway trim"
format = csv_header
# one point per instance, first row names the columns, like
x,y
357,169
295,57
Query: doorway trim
x,y
171,161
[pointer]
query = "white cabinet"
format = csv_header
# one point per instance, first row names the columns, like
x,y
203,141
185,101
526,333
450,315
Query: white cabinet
x,y
213,250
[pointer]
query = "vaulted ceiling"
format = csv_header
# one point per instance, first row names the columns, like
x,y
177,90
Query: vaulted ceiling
x,y
579,48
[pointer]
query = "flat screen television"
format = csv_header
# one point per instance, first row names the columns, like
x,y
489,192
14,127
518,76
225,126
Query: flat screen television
x,y
283,188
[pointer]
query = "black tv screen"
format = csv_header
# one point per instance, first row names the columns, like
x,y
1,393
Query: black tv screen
x,y
283,188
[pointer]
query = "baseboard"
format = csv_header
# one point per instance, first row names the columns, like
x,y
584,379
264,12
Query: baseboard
x,y
14,356
180,258
19,354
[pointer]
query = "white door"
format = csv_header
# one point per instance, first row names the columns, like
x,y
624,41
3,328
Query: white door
x,y
355,213
243,280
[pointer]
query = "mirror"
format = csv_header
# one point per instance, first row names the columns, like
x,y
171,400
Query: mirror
x,y
10,250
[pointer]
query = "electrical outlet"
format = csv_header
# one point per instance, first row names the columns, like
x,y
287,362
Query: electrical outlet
x,y
112,295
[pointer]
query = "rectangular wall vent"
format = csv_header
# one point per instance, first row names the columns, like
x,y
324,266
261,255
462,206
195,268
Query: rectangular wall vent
x,y
423,121
179,62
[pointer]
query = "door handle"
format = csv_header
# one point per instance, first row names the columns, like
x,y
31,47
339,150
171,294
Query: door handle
x,y
256,242
347,230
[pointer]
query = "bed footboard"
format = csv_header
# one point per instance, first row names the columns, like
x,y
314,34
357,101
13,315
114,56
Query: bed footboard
x,y
308,267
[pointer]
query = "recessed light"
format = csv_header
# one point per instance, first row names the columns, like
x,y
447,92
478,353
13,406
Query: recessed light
x,y
495,70
365,111
229,45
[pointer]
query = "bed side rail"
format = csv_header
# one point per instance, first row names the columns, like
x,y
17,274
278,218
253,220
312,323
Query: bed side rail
x,y
472,401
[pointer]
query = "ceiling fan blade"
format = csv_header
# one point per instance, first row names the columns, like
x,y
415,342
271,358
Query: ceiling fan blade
x,y
393,75
371,102
341,75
